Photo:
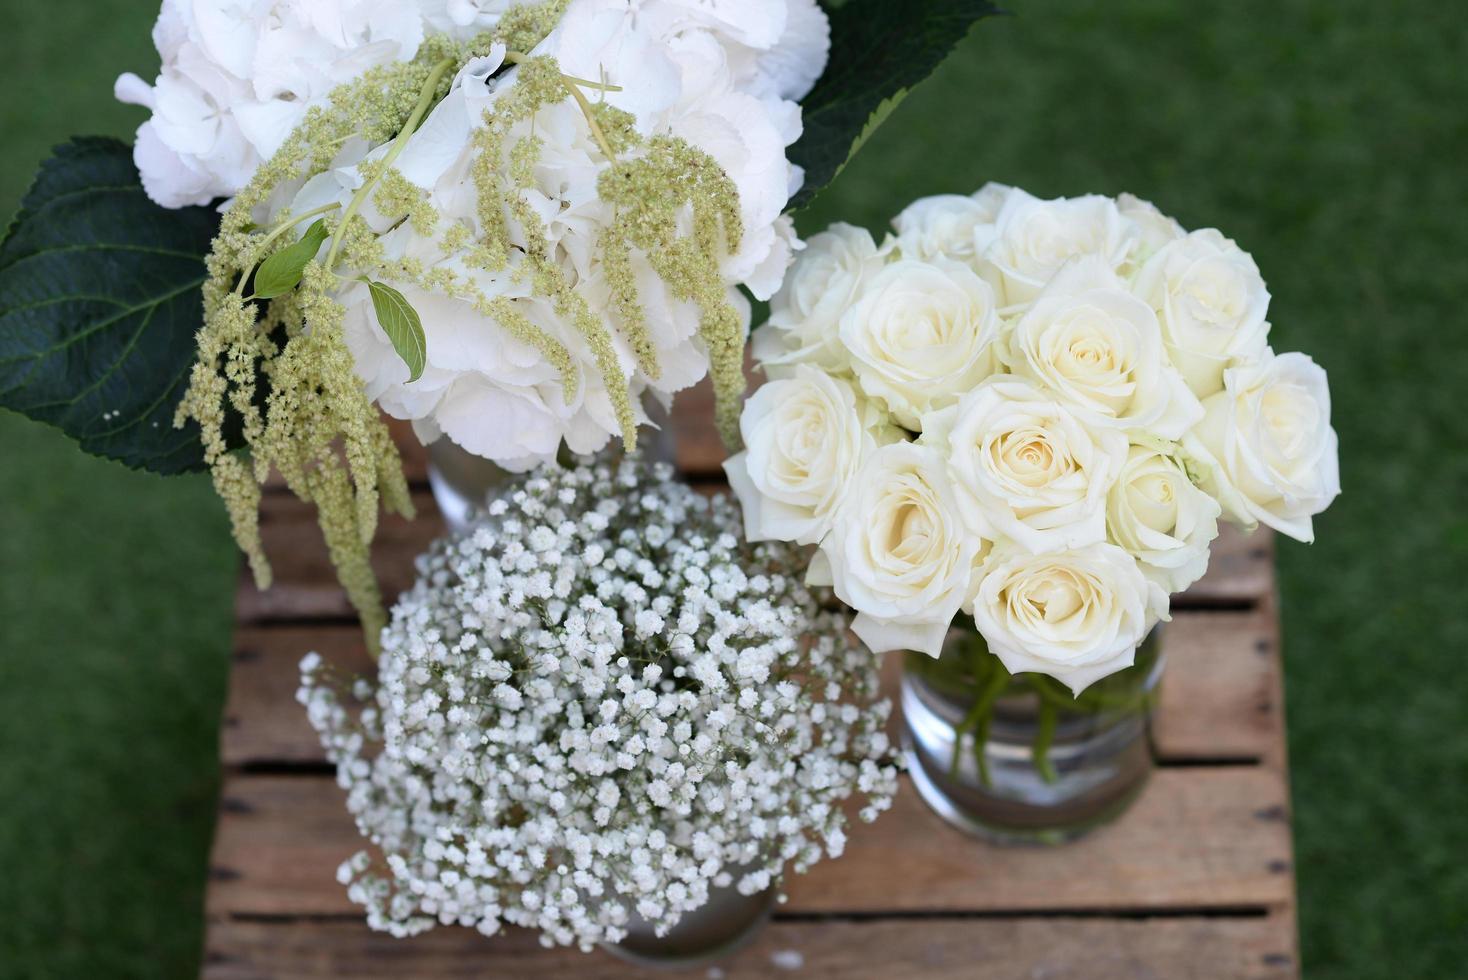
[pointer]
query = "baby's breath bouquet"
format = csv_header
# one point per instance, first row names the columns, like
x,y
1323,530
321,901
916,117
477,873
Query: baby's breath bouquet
x,y
597,707
509,223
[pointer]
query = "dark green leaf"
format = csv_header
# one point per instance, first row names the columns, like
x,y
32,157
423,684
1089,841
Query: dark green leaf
x,y
880,49
99,304
402,325
282,272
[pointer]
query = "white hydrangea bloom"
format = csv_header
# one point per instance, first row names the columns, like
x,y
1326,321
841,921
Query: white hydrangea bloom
x,y
599,704
675,67
238,76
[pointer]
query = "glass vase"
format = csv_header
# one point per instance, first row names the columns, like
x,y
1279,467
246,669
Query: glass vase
x,y
1018,758
717,928
462,483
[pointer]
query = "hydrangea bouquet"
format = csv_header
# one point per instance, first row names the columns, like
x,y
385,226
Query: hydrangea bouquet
x,y
1028,412
508,223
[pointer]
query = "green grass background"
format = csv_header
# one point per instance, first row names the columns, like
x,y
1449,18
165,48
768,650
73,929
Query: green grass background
x,y
1330,139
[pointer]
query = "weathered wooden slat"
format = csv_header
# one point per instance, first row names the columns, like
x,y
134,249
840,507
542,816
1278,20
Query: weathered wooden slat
x,y
1198,839
1221,688
1254,948
1241,570
1218,697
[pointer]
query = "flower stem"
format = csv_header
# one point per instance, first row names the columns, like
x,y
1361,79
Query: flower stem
x,y
1044,738
400,143
984,709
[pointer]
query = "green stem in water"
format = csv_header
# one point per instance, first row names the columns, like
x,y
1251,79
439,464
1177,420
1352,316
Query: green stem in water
x,y
400,143
970,720
1044,738
997,684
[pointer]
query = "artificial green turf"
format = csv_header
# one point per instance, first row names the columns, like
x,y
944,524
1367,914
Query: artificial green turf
x,y
1328,138
115,599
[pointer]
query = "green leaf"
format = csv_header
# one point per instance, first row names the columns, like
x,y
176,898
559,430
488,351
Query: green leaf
x,y
99,305
282,272
880,50
402,325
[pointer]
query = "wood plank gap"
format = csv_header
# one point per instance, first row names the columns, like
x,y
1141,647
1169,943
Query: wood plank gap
x,y
1140,914
285,767
1185,602
300,621
324,769
1206,762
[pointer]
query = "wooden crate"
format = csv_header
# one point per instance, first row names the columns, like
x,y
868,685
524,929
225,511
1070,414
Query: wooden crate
x,y
1196,881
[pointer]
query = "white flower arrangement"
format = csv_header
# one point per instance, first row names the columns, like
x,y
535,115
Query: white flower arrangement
x,y
518,239
238,79
520,225
1031,411
600,703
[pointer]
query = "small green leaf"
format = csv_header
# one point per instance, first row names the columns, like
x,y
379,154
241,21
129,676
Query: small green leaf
x,y
879,50
402,325
282,272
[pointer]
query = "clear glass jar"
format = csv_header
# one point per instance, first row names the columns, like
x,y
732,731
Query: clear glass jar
x,y
719,927
1017,758
462,482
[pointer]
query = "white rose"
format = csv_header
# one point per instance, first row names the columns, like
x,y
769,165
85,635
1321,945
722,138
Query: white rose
x,y
824,282
1099,349
1211,302
921,335
1025,467
805,439
1074,615
899,554
945,225
1268,445
1159,517
1154,229
991,198
1032,239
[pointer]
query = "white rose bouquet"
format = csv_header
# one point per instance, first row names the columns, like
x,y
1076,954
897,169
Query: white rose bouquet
x,y
1032,412
510,222
596,708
